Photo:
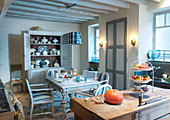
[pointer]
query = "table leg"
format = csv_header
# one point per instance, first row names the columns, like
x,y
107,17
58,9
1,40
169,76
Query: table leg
x,y
64,101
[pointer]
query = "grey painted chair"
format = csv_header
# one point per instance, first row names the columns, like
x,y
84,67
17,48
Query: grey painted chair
x,y
100,90
50,73
16,79
40,96
104,77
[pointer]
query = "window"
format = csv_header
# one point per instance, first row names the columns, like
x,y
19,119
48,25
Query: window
x,y
162,34
93,43
96,45
162,31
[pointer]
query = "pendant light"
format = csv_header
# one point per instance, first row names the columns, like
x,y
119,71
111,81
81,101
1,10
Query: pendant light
x,y
72,38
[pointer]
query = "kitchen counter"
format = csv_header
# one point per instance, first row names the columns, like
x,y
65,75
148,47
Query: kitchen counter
x,y
128,110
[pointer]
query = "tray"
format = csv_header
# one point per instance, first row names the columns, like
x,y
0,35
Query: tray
x,y
141,81
142,69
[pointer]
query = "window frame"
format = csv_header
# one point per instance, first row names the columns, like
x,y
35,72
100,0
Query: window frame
x,y
95,38
154,25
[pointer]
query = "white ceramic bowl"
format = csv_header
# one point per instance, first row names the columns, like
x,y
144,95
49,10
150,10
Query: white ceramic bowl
x,y
44,40
45,52
37,53
55,40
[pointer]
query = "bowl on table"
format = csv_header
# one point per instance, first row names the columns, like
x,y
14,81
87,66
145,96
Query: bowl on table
x,y
63,73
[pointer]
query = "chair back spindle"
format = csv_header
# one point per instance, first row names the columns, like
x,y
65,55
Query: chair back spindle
x,y
30,91
102,89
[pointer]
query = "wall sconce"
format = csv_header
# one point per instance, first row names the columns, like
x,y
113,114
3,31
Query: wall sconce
x,y
133,41
101,43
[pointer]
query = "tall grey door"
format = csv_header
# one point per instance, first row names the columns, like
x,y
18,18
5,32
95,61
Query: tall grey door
x,y
116,52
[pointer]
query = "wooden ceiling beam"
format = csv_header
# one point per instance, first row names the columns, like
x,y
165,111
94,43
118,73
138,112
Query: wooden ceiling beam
x,y
88,4
136,1
42,15
90,9
49,12
53,7
4,4
18,16
158,1
116,3
50,2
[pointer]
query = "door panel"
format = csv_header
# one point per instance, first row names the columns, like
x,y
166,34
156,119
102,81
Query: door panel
x,y
116,52
120,60
38,77
110,35
110,59
120,81
66,58
120,33
110,78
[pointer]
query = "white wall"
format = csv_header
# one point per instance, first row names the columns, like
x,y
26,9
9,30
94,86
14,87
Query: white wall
x,y
145,30
158,6
15,26
84,47
132,15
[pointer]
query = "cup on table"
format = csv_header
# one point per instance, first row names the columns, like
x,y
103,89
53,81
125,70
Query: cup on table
x,y
77,77
85,78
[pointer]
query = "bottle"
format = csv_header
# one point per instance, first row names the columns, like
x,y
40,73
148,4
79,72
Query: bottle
x,y
164,75
56,75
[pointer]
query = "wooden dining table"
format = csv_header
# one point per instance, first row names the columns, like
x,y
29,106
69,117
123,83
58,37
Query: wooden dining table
x,y
67,87
127,110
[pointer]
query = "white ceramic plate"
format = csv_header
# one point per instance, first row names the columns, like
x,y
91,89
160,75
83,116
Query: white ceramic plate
x,y
47,61
38,61
32,50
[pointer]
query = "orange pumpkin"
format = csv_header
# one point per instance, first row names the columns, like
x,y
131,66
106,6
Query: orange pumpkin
x,y
113,96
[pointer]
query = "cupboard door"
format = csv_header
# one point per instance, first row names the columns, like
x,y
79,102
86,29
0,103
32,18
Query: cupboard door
x,y
37,77
27,59
66,57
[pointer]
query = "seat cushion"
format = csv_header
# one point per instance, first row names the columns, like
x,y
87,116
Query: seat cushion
x,y
42,98
41,93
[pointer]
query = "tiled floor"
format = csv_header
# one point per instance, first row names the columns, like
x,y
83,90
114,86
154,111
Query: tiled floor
x,y
24,98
